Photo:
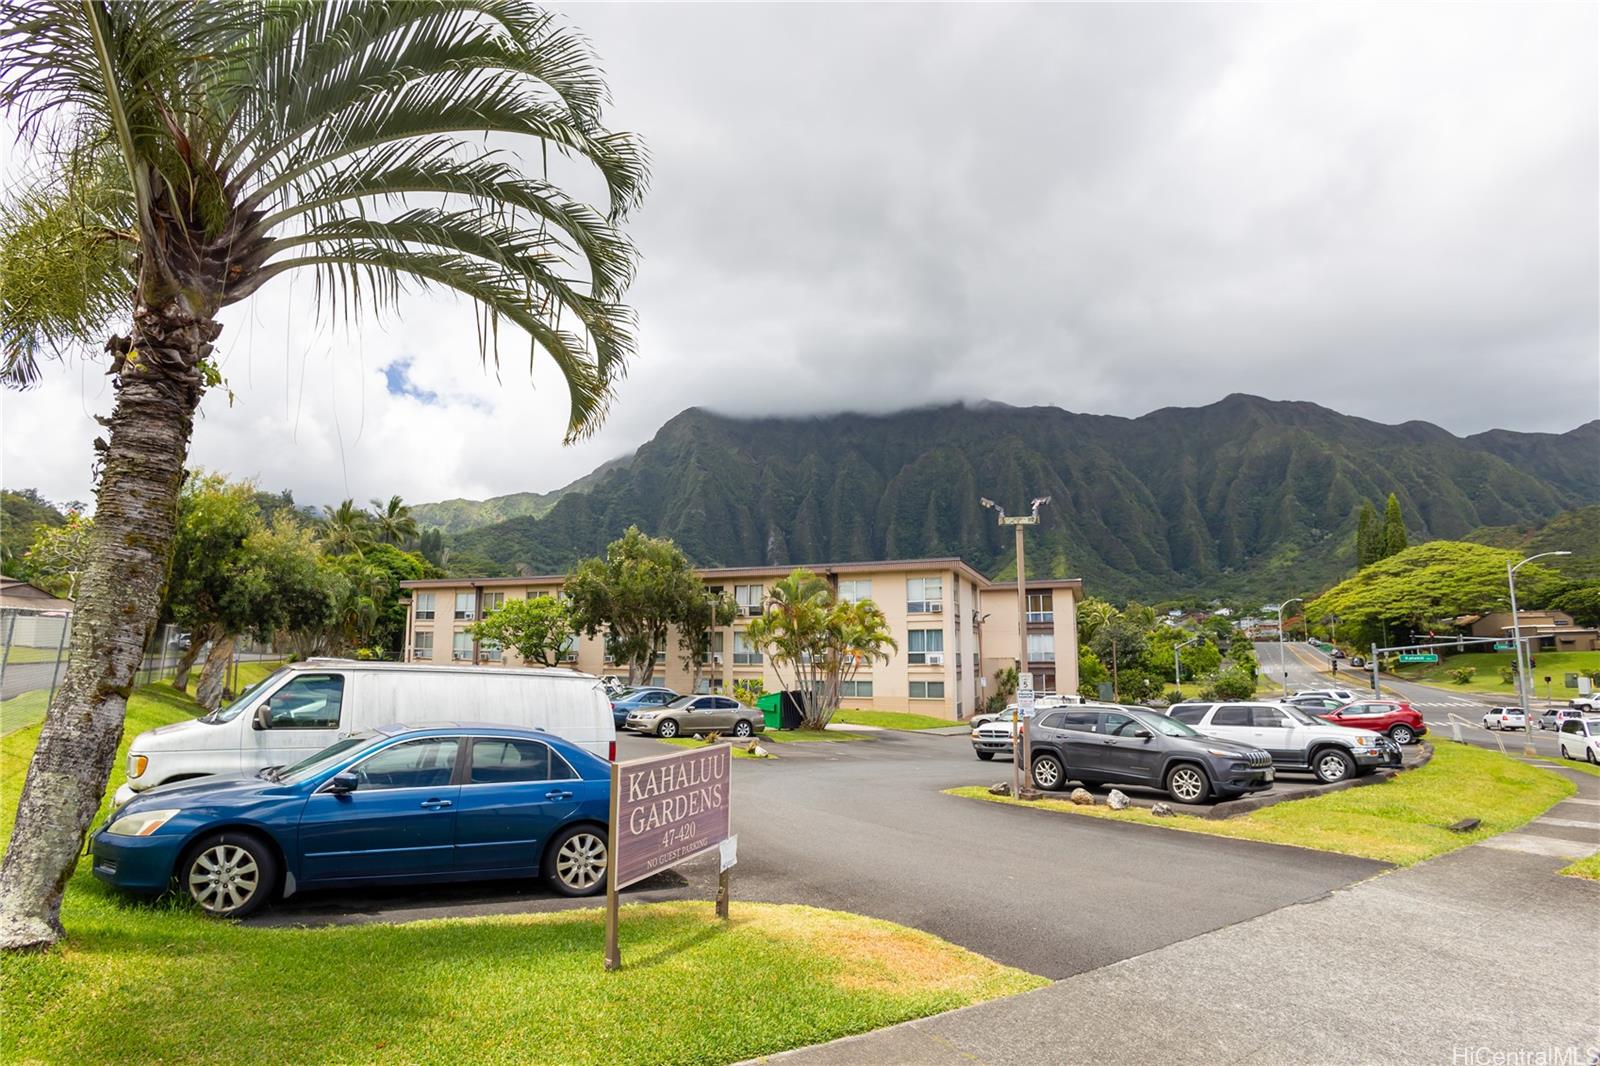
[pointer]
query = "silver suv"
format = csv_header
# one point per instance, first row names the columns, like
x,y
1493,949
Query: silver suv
x,y
1296,740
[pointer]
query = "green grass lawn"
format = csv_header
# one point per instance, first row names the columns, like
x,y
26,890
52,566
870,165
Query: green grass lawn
x,y
1400,821
893,720
156,982
29,708
1588,868
19,654
1552,664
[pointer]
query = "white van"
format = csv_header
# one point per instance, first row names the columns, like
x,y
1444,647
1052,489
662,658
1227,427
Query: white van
x,y
304,707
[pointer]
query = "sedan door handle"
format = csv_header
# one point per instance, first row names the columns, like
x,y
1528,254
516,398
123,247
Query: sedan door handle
x,y
557,794
435,805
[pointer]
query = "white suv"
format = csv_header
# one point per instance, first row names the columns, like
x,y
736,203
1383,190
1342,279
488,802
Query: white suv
x,y
1296,740
1580,739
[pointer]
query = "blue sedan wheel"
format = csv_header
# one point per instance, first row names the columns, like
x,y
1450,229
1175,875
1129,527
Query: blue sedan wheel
x,y
230,875
575,865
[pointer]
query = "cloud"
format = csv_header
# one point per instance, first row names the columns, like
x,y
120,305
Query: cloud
x,y
1387,209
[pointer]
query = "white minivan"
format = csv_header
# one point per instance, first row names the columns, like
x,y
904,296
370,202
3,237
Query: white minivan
x,y
304,707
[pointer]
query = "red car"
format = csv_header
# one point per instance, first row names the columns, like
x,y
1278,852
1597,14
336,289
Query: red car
x,y
1397,718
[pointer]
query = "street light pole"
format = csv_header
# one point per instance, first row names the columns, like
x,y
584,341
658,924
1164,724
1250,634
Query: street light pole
x,y
1177,675
1019,521
1519,651
1283,661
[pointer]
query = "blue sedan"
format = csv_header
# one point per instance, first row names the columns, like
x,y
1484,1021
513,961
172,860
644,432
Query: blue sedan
x,y
636,699
398,805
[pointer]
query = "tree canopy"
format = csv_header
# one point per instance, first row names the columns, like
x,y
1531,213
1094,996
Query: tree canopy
x,y
1429,584
634,594
539,628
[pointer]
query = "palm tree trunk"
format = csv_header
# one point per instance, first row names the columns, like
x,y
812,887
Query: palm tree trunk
x,y
158,389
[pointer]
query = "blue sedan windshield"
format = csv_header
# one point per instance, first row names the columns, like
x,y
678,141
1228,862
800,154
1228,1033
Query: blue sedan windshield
x,y
310,767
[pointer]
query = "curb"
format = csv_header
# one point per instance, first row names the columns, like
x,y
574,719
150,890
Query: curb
x,y
1232,808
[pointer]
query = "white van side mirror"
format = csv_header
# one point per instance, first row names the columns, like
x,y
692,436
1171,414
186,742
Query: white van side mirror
x,y
264,716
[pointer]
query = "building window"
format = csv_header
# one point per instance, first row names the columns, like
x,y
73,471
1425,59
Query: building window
x,y
493,601
855,690
422,645
464,604
925,647
1041,647
749,598
924,595
1041,607
744,652
855,590
424,603
927,690
569,650
661,650
490,651
716,648
461,646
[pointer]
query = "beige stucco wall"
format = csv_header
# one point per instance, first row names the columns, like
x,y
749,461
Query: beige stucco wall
x,y
964,602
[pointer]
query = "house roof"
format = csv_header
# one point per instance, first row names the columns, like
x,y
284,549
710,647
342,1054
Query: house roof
x,y
23,595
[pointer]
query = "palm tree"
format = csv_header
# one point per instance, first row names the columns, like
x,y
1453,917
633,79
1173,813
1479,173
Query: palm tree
x,y
346,529
190,153
392,522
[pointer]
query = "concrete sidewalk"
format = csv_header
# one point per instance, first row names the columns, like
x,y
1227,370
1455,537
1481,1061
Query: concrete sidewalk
x,y
1483,951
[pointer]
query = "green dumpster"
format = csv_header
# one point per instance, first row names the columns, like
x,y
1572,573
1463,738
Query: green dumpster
x,y
771,707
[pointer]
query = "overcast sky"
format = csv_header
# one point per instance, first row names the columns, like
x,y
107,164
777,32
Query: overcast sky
x,y
1390,210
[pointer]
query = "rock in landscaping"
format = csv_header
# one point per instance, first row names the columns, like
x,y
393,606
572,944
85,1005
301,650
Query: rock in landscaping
x,y
1002,788
1466,825
1081,797
1161,810
1117,801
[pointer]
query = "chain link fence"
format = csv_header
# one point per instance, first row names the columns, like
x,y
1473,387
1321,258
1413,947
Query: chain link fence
x,y
33,659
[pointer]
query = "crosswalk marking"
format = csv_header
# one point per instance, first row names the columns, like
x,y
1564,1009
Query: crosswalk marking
x,y
1552,847
1570,823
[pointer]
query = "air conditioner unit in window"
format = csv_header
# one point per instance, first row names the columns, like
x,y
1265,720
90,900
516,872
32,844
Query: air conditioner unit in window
x,y
936,658
716,660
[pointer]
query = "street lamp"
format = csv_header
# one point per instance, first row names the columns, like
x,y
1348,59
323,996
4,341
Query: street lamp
x,y
1516,638
1177,675
1283,662
1019,522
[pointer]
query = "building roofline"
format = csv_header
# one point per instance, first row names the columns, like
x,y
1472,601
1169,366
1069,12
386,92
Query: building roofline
x,y
725,572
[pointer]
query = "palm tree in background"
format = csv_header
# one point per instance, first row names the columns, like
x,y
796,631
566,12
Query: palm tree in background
x,y
347,529
392,522
188,153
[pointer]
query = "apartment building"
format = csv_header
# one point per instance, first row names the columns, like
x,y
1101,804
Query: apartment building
x,y
954,628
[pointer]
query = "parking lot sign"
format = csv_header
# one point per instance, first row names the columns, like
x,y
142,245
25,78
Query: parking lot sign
x,y
1025,695
665,811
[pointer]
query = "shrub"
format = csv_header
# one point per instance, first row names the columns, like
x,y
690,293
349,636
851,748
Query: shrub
x,y
1234,684
1463,675
1508,674
1174,696
747,692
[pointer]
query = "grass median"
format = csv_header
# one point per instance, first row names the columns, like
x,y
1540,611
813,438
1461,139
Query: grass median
x,y
146,982
894,720
1553,664
1402,821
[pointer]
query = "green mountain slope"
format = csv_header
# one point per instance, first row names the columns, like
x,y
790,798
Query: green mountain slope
x,y
1242,496
1575,531
459,515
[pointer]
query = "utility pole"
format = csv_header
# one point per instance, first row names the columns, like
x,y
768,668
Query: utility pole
x,y
1516,636
1177,675
1020,521
1283,662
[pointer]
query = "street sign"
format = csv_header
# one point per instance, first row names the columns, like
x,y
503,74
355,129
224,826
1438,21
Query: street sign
x,y
1025,695
1419,657
1504,645
1018,520
665,811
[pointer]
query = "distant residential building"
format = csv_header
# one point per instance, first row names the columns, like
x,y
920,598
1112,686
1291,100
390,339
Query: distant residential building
x,y
1545,630
19,595
955,629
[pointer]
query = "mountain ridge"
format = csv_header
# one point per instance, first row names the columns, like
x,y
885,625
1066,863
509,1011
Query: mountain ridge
x,y
1245,494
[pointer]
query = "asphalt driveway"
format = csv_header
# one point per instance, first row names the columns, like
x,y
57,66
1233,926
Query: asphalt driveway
x,y
864,827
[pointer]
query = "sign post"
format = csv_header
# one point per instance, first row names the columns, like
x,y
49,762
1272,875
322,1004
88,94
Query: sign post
x,y
665,811
1024,715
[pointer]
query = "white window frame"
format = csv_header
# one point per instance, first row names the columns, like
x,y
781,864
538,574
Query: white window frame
x,y
855,589
924,595
466,614
919,656
751,599
456,654
744,652
423,604
418,650
1045,655
925,688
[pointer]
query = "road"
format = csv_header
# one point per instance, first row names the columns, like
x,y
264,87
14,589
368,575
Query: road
x,y
864,827
1308,668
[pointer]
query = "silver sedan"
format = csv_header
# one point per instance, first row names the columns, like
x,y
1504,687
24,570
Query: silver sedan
x,y
696,714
